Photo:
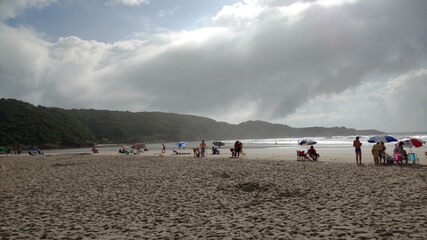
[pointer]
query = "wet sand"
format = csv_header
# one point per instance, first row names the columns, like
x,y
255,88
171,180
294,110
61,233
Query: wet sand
x,y
260,196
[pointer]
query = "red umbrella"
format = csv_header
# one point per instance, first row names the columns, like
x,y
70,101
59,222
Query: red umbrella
x,y
138,146
411,142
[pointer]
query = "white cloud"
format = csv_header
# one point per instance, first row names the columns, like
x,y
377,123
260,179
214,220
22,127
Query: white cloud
x,y
238,14
128,2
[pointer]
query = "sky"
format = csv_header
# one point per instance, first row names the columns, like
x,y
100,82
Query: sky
x,y
354,63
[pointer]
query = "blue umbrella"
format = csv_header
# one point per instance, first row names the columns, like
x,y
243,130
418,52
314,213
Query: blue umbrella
x,y
382,138
182,144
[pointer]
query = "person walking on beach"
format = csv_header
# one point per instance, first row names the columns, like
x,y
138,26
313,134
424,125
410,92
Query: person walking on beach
x,y
203,149
358,149
163,148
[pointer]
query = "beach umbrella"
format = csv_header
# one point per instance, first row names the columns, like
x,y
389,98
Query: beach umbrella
x,y
218,144
306,142
182,144
382,138
138,146
412,142
124,147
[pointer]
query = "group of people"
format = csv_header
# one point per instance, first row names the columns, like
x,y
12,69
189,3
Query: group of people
x,y
311,152
236,150
35,151
400,154
201,150
132,151
382,157
379,153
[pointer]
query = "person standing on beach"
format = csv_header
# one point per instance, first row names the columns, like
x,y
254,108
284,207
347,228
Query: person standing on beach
x,y
238,146
382,152
376,153
358,148
163,148
203,148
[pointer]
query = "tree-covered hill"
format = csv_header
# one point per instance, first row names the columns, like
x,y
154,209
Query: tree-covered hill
x,y
23,123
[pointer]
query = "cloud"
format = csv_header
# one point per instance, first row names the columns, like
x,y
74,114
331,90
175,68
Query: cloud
x,y
128,2
239,14
301,63
10,8
385,105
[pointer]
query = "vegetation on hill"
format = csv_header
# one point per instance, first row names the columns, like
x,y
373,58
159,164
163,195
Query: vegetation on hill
x,y
23,123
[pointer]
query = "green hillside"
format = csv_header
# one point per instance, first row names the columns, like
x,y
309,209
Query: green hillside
x,y
23,123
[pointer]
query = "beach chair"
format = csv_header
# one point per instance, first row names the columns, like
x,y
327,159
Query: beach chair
x,y
301,155
413,157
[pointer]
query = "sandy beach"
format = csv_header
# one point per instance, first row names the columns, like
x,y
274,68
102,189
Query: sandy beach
x,y
261,196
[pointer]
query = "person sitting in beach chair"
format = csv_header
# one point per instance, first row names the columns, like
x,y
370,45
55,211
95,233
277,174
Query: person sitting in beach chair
x,y
215,150
301,155
398,153
404,156
34,151
312,153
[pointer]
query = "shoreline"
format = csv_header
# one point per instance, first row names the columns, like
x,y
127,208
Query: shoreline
x,y
327,154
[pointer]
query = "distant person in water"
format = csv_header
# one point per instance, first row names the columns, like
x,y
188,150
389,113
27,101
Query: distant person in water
x,y
358,149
